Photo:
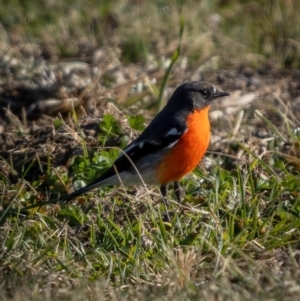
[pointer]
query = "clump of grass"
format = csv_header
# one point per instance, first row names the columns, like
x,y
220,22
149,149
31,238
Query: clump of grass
x,y
229,30
235,236
263,28
223,232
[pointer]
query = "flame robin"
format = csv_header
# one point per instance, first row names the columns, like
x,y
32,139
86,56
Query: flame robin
x,y
170,147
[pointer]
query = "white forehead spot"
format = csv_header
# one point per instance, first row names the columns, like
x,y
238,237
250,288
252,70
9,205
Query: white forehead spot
x,y
172,132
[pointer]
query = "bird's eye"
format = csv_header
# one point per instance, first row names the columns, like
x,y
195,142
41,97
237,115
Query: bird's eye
x,y
204,92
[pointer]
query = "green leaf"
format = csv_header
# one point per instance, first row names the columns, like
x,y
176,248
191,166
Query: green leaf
x,y
74,214
57,123
137,122
110,124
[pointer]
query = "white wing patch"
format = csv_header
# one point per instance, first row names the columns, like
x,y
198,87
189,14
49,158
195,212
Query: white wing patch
x,y
165,142
133,145
215,90
172,132
171,144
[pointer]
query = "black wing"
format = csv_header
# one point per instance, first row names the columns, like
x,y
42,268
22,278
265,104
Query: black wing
x,y
134,151
142,147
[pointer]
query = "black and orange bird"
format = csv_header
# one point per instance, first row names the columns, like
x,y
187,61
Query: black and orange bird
x,y
170,147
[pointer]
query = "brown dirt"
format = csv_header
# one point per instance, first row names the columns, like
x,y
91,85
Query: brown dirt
x,y
33,94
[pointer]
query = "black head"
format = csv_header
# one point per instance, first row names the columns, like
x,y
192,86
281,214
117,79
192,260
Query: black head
x,y
195,95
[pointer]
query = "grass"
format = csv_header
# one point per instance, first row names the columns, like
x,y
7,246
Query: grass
x,y
232,31
235,236
236,232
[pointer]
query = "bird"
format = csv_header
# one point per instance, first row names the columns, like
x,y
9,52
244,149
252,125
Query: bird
x,y
169,148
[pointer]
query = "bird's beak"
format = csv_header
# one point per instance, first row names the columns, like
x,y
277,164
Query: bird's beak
x,y
220,94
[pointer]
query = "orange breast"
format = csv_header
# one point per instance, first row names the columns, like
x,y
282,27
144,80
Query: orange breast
x,y
189,150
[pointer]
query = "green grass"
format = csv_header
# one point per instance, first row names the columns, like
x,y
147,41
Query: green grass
x,y
235,236
231,227
229,31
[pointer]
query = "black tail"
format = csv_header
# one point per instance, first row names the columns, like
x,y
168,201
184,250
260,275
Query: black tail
x,y
89,187
75,193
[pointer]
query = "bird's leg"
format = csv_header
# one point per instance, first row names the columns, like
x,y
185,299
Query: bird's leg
x,y
164,191
178,191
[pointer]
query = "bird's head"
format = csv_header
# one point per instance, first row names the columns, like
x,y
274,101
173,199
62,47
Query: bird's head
x,y
195,95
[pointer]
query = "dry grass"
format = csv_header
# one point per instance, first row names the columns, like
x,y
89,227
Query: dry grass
x,y
235,237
